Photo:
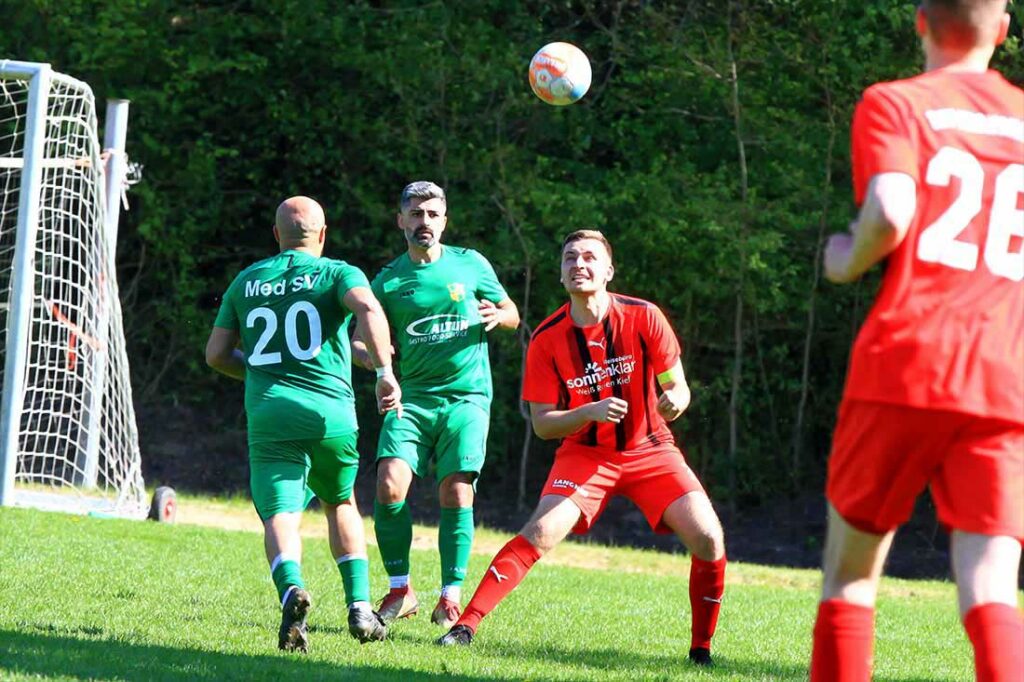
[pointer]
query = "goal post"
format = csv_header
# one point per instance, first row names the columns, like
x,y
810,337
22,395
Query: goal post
x,y
68,436
113,143
32,81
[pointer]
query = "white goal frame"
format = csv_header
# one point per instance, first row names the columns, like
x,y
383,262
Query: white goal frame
x,y
86,484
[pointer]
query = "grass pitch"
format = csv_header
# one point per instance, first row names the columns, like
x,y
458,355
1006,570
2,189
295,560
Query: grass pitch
x,y
85,598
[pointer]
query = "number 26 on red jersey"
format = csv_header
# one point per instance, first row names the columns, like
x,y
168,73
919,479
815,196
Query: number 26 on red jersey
x,y
939,243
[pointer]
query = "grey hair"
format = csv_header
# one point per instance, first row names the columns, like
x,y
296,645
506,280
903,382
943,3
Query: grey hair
x,y
421,189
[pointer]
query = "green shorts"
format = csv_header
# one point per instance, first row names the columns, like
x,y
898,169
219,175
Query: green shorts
x,y
284,475
453,431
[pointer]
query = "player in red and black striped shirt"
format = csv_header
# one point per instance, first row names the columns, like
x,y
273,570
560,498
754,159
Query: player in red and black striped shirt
x,y
603,373
571,366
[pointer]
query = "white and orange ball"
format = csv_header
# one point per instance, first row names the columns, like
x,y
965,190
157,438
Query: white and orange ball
x,y
560,73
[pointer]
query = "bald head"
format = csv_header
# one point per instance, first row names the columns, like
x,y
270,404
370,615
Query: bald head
x,y
299,223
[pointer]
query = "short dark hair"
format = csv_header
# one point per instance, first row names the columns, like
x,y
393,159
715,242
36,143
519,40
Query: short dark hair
x,y
961,23
577,235
421,189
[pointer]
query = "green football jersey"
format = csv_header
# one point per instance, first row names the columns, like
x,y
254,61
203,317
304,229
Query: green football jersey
x,y
289,313
433,310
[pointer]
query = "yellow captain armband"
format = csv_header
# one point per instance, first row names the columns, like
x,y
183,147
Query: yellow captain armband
x,y
673,374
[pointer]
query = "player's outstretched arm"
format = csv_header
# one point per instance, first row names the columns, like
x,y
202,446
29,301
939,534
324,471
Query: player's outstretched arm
x,y
504,314
549,422
883,222
223,355
676,393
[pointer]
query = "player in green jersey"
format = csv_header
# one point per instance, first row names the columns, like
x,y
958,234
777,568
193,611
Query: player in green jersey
x,y
440,301
290,316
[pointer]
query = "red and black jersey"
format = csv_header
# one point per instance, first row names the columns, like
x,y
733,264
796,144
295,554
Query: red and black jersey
x,y
569,366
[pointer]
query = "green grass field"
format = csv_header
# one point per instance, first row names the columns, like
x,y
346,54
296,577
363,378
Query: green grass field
x,y
85,598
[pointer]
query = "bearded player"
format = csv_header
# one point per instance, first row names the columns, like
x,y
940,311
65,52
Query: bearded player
x,y
290,314
603,373
441,302
935,391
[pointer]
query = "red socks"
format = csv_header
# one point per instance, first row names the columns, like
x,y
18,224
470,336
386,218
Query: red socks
x,y
707,583
844,634
843,642
507,569
511,564
997,633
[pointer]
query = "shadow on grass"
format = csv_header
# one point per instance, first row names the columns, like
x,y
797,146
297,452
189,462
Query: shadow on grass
x,y
675,665
671,664
49,655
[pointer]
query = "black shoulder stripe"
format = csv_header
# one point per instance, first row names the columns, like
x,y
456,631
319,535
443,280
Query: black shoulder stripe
x,y
548,325
629,300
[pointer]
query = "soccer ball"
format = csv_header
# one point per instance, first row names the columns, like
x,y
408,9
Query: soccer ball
x,y
560,73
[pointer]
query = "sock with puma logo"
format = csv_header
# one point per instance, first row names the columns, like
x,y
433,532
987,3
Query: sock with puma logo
x,y
509,567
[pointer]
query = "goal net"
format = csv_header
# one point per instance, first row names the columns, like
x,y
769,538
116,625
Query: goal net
x,y
68,437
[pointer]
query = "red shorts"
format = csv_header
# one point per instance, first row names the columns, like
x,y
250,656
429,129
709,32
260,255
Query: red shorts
x,y
653,478
883,457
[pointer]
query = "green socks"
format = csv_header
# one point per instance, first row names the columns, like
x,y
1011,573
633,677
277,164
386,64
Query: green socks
x,y
286,572
393,526
454,539
355,576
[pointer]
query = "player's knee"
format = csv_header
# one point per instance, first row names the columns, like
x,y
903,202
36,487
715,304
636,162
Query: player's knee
x,y
283,524
455,499
389,492
455,491
985,569
708,544
543,543
698,527
862,591
393,479
542,535
718,542
850,578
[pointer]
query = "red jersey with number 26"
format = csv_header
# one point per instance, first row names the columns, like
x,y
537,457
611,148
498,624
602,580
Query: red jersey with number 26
x,y
569,366
947,329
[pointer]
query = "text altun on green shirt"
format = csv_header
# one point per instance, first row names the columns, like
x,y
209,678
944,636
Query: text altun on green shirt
x,y
433,310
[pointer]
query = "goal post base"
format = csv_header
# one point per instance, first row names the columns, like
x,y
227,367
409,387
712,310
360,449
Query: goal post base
x,y
69,501
164,507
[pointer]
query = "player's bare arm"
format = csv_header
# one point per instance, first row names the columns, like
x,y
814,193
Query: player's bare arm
x,y
881,226
371,325
375,338
360,355
223,355
504,314
550,423
676,396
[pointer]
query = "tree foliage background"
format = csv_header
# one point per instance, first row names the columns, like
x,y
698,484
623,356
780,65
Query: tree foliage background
x,y
712,149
